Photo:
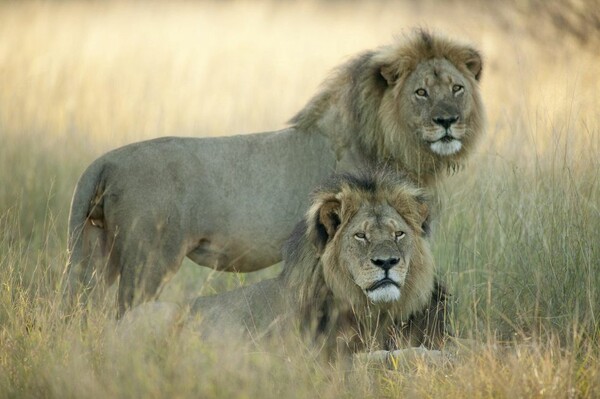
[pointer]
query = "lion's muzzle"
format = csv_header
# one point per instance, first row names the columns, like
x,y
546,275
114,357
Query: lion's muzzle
x,y
386,263
446,122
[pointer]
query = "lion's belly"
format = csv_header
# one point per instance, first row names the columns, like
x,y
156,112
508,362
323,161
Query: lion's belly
x,y
251,209
249,239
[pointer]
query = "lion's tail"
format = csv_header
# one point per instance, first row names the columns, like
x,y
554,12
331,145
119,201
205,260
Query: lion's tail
x,y
86,236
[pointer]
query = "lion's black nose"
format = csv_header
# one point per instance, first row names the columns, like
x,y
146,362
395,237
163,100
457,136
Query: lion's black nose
x,y
446,122
385,264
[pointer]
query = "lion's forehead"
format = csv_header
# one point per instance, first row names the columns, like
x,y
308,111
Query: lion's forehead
x,y
437,72
377,217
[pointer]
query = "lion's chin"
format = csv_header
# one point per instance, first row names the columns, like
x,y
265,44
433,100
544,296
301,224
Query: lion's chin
x,y
387,293
446,147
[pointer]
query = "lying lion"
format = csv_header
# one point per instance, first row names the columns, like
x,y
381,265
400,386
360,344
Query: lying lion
x,y
230,202
358,276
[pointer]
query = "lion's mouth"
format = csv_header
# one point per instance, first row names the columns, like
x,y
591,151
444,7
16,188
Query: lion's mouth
x,y
447,138
384,282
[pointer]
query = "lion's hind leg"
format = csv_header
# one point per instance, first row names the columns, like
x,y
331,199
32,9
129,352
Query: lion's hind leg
x,y
147,261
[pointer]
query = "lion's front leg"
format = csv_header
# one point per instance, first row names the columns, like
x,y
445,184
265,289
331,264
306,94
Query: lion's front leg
x,y
150,321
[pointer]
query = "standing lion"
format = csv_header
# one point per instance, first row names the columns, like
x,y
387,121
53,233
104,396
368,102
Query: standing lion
x,y
229,203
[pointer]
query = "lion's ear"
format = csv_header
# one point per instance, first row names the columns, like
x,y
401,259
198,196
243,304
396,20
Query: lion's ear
x,y
474,63
423,211
389,73
327,222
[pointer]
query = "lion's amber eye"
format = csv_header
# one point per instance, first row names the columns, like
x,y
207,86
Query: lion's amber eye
x,y
399,235
457,88
421,92
360,236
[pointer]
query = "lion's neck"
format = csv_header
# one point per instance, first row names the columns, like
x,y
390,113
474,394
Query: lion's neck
x,y
356,147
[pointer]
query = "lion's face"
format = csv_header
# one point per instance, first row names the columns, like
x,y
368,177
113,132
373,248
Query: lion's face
x,y
368,238
440,102
375,249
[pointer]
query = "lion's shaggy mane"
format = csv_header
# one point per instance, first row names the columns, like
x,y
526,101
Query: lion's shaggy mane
x,y
354,111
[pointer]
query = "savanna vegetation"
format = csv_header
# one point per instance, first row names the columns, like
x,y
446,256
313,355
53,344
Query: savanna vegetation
x,y
517,242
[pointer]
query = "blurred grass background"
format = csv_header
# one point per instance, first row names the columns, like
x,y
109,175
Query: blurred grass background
x,y
517,243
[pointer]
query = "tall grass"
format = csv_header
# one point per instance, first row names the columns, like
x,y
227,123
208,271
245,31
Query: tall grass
x,y
517,241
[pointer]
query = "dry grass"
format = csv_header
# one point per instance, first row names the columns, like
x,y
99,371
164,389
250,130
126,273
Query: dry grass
x,y
517,244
